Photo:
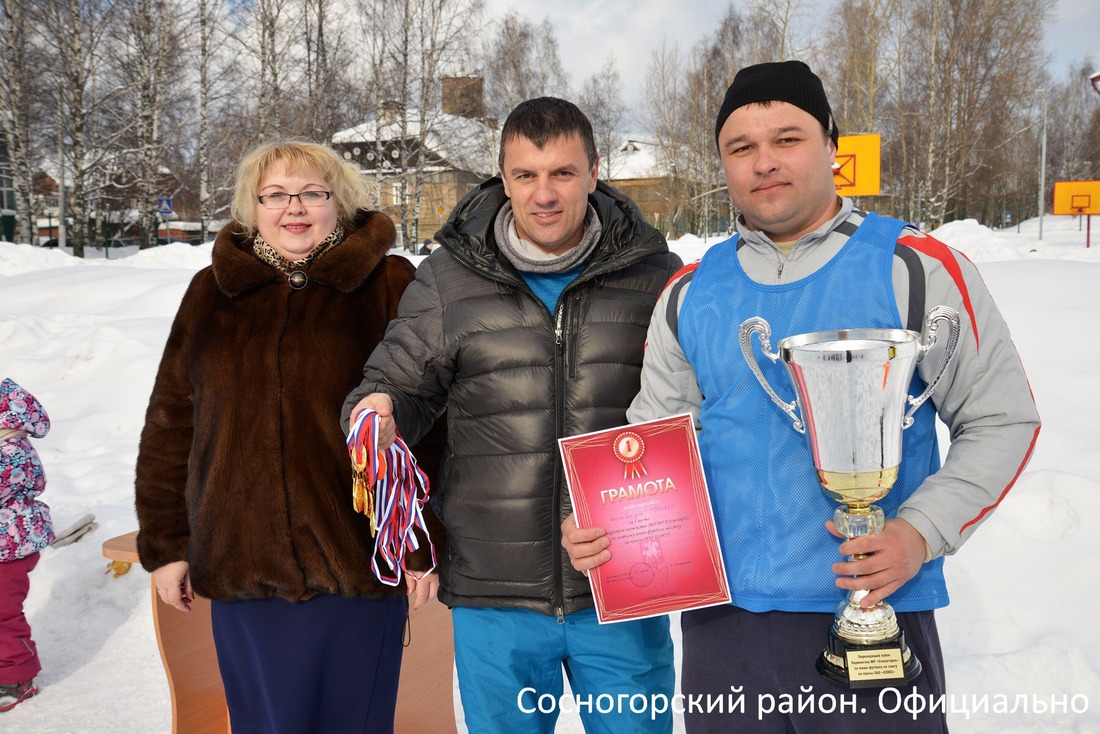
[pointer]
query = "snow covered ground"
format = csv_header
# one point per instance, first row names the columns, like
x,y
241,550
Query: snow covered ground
x,y
86,336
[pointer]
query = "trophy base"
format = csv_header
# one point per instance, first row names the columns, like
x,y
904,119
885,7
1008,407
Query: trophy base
x,y
872,665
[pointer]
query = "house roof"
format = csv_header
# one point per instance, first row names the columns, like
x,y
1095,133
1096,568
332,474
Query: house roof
x,y
636,158
464,143
471,145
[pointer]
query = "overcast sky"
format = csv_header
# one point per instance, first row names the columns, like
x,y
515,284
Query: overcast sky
x,y
630,29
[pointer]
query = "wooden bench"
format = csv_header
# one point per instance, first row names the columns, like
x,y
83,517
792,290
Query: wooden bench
x,y
424,696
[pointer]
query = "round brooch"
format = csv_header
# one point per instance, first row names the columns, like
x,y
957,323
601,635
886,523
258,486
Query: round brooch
x,y
298,280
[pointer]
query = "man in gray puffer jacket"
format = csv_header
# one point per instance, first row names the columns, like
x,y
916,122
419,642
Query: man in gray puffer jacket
x,y
526,326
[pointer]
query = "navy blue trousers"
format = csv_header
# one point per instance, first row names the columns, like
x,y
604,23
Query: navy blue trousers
x,y
773,653
328,665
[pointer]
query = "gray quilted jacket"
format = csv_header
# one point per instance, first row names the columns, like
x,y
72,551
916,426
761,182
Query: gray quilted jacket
x,y
472,339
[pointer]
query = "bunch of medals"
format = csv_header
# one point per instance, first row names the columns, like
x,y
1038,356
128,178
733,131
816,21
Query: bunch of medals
x,y
390,489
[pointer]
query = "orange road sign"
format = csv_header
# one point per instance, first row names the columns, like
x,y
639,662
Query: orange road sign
x,y
1076,197
858,158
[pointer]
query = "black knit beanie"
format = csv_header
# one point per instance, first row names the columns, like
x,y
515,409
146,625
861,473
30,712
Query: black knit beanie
x,y
780,81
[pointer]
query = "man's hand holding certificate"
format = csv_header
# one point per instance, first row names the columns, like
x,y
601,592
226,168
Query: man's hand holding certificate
x,y
643,484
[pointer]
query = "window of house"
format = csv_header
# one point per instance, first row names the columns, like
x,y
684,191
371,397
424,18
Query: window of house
x,y
7,192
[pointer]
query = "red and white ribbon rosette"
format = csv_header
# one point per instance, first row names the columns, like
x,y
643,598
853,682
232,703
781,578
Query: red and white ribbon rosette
x,y
391,490
629,448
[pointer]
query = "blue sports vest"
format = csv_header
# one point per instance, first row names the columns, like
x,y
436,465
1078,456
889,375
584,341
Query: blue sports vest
x,y
769,507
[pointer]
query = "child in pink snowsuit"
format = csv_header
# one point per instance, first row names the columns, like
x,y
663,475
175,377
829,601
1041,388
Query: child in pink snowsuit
x,y
25,529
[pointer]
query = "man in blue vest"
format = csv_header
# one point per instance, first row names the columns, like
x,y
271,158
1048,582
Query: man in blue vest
x,y
807,260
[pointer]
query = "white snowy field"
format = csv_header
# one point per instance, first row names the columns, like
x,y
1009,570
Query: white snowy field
x,y
86,336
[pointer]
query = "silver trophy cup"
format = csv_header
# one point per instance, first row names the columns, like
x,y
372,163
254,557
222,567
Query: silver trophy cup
x,y
852,390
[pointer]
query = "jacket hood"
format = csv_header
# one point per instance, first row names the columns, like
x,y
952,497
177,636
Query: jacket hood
x,y
370,235
626,236
21,411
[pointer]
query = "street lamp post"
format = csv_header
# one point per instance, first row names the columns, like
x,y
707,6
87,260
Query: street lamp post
x,y
1043,172
1095,80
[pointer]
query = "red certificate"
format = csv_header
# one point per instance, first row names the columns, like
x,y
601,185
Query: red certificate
x,y
644,483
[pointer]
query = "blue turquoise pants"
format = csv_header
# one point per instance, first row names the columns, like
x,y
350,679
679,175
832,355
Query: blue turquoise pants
x,y
510,665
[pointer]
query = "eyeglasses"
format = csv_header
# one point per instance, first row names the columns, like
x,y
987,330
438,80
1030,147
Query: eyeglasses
x,y
281,200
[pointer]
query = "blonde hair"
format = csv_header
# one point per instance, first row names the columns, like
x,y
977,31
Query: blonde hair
x,y
350,190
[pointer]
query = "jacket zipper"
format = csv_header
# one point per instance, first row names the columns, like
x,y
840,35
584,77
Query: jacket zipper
x,y
558,319
571,340
559,389
559,429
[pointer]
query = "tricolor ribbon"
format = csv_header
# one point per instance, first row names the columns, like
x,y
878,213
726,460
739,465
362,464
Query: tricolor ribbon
x,y
391,490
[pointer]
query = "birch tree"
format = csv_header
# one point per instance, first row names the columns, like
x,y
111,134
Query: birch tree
x,y
410,45
859,61
269,18
1074,99
444,36
74,32
18,113
683,93
147,36
521,62
602,102
663,90
776,31
328,54
1091,133
207,22
224,121
965,58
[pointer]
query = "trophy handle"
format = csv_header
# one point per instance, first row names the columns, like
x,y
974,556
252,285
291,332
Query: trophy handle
x,y
931,327
760,326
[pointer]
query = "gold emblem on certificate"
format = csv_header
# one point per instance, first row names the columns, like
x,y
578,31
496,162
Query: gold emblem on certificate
x,y
629,448
852,389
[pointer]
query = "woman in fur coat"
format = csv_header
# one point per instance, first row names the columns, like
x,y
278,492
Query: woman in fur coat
x,y
243,488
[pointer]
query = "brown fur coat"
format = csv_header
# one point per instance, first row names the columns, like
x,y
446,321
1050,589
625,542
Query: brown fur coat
x,y
242,468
